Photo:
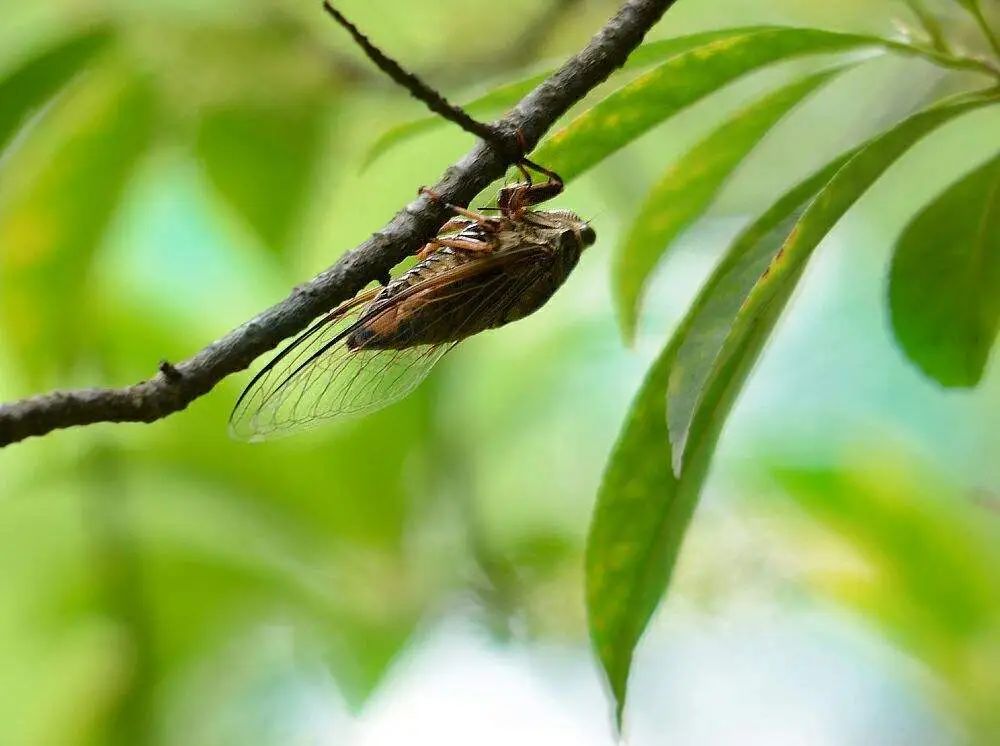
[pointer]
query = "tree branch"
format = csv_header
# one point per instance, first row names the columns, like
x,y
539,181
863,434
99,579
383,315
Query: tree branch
x,y
178,385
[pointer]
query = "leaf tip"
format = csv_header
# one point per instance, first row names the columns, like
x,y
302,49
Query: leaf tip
x,y
620,722
382,145
677,461
369,158
615,666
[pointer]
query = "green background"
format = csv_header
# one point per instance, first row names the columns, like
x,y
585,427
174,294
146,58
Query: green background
x,y
417,574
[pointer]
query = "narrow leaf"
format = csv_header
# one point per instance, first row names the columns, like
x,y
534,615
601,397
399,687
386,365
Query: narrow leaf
x,y
688,187
638,524
759,310
506,96
676,84
29,86
261,159
708,323
944,287
930,24
975,8
643,506
70,175
639,519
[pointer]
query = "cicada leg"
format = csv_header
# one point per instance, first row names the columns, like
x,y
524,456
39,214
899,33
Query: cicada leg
x,y
456,224
461,244
486,222
515,199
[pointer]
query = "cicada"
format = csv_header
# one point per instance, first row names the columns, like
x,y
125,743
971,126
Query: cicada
x,y
480,272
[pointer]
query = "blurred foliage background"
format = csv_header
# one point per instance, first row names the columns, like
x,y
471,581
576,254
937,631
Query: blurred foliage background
x,y
418,574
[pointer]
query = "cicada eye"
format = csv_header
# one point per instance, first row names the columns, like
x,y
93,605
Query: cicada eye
x,y
577,238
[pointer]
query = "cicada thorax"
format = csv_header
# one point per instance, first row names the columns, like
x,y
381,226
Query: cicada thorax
x,y
451,303
395,319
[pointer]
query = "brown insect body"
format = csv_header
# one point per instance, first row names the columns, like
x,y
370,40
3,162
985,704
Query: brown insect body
x,y
479,273
439,313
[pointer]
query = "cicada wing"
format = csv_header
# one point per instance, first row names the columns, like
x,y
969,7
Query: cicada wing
x,y
319,378
340,383
247,420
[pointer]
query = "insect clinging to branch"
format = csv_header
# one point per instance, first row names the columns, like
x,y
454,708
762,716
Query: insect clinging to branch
x,y
479,272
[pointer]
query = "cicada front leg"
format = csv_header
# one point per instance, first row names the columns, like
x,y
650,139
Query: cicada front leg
x,y
455,225
514,199
459,243
464,219
464,216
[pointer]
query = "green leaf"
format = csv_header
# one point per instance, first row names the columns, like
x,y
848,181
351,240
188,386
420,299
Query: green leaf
x,y
782,39
676,84
944,286
709,321
70,176
644,506
641,514
506,96
638,524
759,309
975,8
930,24
262,160
688,187
29,86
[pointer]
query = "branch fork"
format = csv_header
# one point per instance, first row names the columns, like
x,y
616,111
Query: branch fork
x,y
176,386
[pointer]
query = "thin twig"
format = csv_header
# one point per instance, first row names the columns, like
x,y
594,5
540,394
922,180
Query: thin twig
x,y
421,91
414,225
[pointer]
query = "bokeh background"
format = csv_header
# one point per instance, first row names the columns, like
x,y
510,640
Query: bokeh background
x,y
416,576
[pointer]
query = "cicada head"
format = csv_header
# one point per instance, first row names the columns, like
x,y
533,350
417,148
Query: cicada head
x,y
569,232
582,233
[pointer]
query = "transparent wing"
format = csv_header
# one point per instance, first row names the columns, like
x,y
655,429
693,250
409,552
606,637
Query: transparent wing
x,y
318,378
265,408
